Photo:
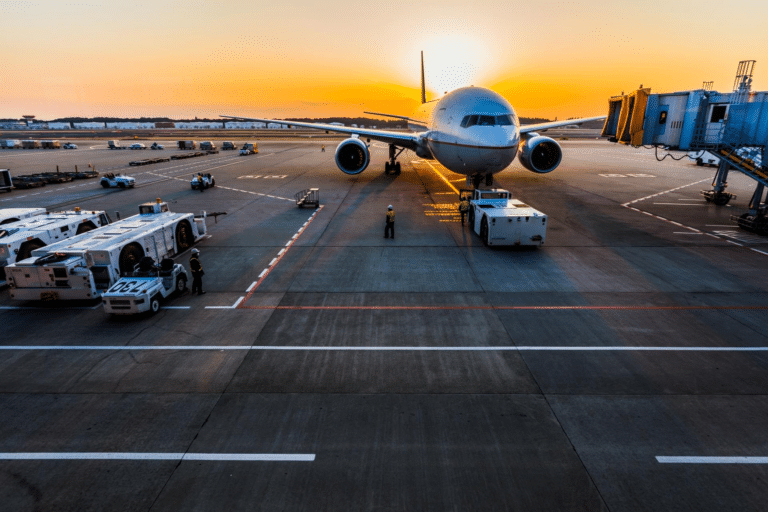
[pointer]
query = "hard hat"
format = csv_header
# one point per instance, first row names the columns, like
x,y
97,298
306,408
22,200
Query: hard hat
x,y
195,251
389,207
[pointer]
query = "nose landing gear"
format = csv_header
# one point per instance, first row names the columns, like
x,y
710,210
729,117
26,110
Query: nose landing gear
x,y
393,166
477,179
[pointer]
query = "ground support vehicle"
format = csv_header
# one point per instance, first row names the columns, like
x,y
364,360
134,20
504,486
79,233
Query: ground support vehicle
x,y
8,215
10,144
18,239
207,145
144,288
87,265
28,182
500,220
156,146
30,144
148,161
186,144
69,145
208,181
137,145
6,183
50,144
249,149
53,177
114,144
112,180
228,145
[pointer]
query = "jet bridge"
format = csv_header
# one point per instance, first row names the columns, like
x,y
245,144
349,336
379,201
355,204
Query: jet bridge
x,y
733,126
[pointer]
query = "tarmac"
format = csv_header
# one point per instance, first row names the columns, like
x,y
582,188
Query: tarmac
x,y
621,366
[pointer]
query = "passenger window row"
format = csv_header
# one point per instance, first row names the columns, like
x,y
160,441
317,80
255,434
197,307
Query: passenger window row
x,y
480,120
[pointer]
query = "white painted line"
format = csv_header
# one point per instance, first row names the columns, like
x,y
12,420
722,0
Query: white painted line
x,y
281,252
662,459
274,260
253,285
719,225
761,252
295,236
289,243
175,307
682,204
685,233
248,457
237,302
546,348
734,243
263,272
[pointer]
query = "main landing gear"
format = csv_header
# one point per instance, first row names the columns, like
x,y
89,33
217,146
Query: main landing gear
x,y
393,166
476,179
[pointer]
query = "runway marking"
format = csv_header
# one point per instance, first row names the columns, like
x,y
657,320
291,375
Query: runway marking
x,y
238,457
683,204
233,306
46,309
664,459
253,285
519,308
441,175
385,348
665,192
280,256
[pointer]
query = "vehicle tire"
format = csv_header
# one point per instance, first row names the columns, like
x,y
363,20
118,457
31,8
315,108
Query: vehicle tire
x,y
184,236
85,227
721,199
699,162
130,255
484,230
105,184
471,218
181,284
213,182
121,184
154,304
25,250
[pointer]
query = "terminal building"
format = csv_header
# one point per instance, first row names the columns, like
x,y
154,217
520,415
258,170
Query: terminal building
x,y
731,126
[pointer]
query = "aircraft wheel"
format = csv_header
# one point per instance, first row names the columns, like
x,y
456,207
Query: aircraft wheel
x,y
397,168
386,167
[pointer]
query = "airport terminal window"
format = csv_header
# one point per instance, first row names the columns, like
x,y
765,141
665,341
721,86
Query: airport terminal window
x,y
718,113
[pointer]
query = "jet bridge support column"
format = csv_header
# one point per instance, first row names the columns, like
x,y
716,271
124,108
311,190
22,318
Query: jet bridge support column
x,y
718,195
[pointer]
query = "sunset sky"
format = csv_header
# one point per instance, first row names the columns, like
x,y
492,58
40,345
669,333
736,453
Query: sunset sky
x,y
338,58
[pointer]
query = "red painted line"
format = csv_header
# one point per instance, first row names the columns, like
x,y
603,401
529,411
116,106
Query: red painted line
x,y
277,260
551,308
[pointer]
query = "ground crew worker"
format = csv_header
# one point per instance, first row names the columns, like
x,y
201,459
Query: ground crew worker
x,y
463,208
200,184
390,226
322,148
197,272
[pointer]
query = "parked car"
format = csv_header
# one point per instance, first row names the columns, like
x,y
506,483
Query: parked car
x,y
156,146
137,145
69,145
228,145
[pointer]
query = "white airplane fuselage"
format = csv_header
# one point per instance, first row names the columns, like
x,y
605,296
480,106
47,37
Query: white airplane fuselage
x,y
461,145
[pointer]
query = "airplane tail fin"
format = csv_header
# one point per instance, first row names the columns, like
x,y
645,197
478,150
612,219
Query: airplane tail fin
x,y
423,90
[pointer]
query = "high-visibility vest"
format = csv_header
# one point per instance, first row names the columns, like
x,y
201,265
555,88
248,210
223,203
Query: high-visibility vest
x,y
391,216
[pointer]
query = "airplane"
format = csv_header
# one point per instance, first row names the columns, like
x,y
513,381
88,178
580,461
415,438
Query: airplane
x,y
472,131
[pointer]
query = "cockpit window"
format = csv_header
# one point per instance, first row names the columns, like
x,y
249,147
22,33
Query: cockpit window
x,y
501,120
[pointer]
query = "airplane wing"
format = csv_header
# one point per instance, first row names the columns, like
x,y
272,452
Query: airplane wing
x,y
402,139
540,127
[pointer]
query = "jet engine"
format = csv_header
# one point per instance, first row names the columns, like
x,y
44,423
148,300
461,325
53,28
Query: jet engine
x,y
352,156
540,154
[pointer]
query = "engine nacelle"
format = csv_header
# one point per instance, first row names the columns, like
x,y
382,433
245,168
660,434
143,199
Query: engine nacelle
x,y
540,154
352,156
